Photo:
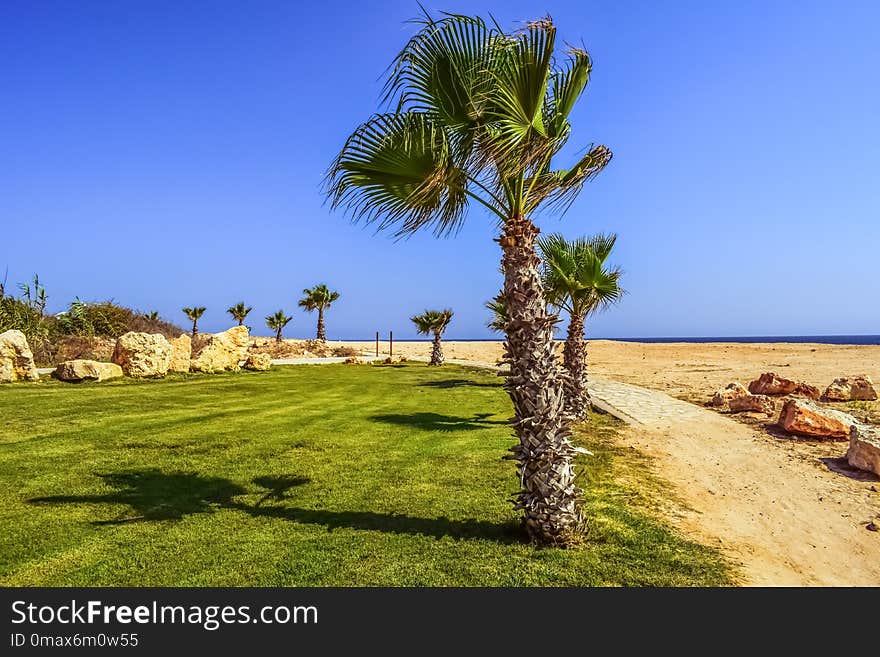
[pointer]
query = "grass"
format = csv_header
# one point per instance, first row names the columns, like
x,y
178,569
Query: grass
x,y
307,475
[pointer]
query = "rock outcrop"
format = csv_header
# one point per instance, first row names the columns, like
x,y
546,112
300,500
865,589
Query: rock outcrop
x,y
181,353
859,388
752,404
16,358
806,418
772,384
143,354
86,370
731,391
219,352
258,362
864,448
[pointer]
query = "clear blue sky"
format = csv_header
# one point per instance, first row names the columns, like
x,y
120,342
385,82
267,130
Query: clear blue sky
x,y
171,153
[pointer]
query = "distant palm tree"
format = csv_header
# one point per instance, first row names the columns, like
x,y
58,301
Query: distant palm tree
x,y
575,278
499,320
479,115
153,315
277,322
433,321
239,311
318,298
194,313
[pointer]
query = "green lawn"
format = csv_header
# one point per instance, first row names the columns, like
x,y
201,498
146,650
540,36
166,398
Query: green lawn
x,y
306,475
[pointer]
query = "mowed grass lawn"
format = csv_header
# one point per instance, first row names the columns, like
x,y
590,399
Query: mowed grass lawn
x,y
306,475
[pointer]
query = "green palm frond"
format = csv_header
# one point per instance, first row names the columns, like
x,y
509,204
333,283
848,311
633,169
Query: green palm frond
x,y
478,114
432,321
500,317
194,312
575,276
318,297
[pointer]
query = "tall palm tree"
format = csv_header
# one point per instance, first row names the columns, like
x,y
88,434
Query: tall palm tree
x,y
318,298
575,279
239,311
194,314
477,114
433,321
277,322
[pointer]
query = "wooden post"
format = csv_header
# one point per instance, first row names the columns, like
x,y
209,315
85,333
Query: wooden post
x,y
390,344
377,344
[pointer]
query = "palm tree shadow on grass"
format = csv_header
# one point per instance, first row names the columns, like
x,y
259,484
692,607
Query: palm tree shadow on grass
x,y
439,422
156,495
153,495
459,383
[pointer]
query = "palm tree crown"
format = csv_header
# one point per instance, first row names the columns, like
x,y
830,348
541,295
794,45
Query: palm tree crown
x,y
432,321
195,312
574,274
239,312
318,298
478,114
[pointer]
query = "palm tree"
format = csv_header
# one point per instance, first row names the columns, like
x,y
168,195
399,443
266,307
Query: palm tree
x,y
194,313
153,315
318,298
433,321
277,322
478,115
499,320
239,311
576,280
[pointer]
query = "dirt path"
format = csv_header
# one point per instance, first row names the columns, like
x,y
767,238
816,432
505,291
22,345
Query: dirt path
x,y
784,512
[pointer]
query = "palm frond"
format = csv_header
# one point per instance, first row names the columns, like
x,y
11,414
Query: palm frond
x,y
432,321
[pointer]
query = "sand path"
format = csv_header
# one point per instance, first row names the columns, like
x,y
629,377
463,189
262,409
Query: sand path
x,y
784,520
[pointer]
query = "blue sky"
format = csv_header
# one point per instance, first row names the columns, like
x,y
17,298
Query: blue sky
x,y
166,154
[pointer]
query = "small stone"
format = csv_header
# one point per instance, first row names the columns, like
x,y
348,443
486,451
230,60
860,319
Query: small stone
x,y
86,370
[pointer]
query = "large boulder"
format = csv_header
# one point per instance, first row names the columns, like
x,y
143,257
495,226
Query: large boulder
x,y
864,448
807,418
16,358
219,352
731,391
752,404
859,388
86,370
143,354
181,353
258,362
772,384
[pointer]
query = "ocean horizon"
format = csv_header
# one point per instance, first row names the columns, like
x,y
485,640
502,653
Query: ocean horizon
x,y
793,339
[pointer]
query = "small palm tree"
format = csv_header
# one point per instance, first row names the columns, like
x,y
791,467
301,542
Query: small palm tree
x,y
576,280
499,320
433,321
480,115
194,314
318,298
277,322
239,311
153,315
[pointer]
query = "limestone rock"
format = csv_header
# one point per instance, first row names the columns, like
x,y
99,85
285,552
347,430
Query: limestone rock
x,y
859,388
16,358
219,352
864,448
772,384
258,362
181,353
731,391
143,354
807,418
752,404
86,370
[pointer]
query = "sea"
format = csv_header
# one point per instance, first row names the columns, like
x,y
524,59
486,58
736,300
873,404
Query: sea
x,y
818,339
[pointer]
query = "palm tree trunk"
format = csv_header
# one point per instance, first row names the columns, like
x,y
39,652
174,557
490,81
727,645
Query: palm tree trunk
x,y
548,497
240,321
195,328
436,351
321,335
574,354
278,336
